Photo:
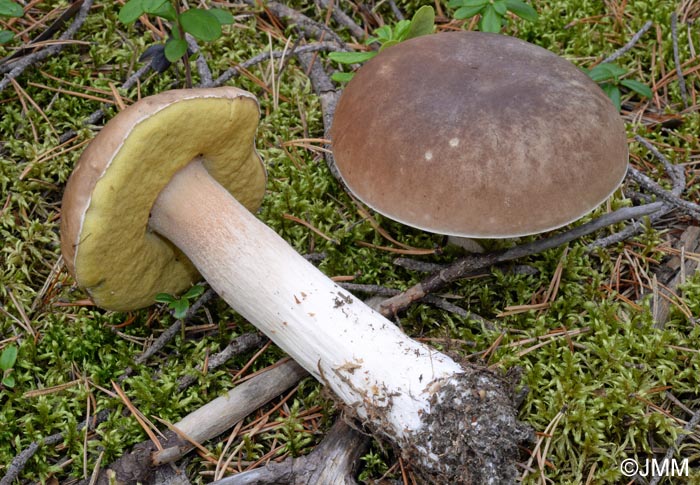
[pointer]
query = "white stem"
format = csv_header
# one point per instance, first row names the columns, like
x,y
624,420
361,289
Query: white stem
x,y
367,361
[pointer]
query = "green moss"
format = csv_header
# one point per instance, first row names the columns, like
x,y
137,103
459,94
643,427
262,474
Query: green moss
x,y
608,380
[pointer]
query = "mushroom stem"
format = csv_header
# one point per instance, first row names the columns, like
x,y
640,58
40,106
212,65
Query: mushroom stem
x,y
365,359
441,414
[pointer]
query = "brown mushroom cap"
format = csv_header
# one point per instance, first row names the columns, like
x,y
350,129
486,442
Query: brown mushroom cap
x,y
105,239
478,135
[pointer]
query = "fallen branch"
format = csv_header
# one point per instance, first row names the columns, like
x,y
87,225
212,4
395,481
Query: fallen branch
x,y
675,172
166,336
311,27
21,65
333,461
631,229
5,63
687,431
266,56
673,274
467,264
20,461
328,96
342,18
436,301
97,115
677,175
205,423
237,346
649,185
677,60
205,77
629,45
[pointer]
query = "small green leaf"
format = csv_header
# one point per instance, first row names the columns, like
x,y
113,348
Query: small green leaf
x,y
422,23
164,298
8,381
10,9
202,24
180,308
500,7
342,77
400,30
637,87
383,34
6,36
490,20
175,49
131,11
223,16
8,358
193,292
606,72
468,12
351,57
599,74
152,6
613,93
455,3
166,11
389,43
522,10
472,3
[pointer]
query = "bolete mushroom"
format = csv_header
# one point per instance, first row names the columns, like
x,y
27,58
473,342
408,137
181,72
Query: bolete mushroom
x,y
149,202
477,135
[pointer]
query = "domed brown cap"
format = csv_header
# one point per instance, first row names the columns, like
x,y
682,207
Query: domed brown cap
x,y
105,239
478,135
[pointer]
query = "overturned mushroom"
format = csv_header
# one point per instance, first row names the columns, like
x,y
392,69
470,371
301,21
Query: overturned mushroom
x,y
150,206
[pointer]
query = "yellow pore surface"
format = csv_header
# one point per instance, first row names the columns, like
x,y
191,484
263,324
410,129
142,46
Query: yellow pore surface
x,y
123,264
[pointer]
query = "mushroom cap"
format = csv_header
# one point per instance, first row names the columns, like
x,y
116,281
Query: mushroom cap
x,y
477,135
105,239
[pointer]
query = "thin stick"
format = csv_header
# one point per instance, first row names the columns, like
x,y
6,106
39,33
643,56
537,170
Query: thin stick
x,y
677,175
625,48
166,336
676,59
342,18
688,429
237,346
265,56
186,57
648,184
96,116
205,77
52,50
72,93
396,10
20,461
467,264
311,27
675,172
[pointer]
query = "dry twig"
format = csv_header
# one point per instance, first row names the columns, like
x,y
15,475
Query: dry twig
x,y
677,60
29,60
342,18
20,461
629,45
332,461
687,430
473,262
166,336
205,423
